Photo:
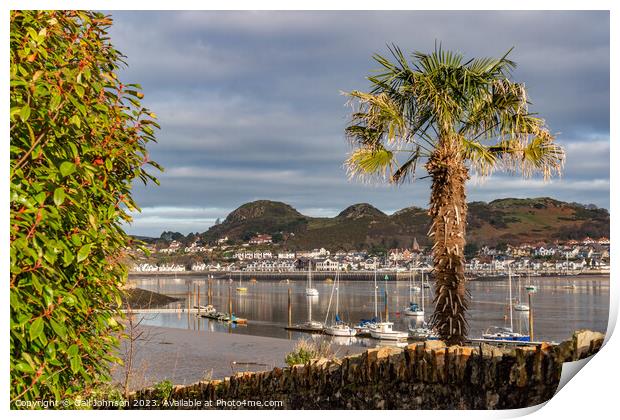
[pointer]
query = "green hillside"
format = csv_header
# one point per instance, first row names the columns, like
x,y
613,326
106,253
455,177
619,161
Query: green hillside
x,y
359,226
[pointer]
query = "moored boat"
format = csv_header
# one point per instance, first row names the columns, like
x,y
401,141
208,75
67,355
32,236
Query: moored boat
x,y
338,328
413,310
241,288
385,331
310,291
422,333
364,325
504,334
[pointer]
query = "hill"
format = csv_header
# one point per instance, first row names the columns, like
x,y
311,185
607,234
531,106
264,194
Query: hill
x,y
360,226
263,216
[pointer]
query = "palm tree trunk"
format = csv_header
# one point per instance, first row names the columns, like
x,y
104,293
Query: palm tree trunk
x,y
448,212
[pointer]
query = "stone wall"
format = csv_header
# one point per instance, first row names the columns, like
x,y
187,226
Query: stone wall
x,y
421,376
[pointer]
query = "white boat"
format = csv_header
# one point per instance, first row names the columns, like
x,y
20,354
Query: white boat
x,y
364,326
310,291
414,309
506,334
518,306
339,328
310,324
422,333
384,331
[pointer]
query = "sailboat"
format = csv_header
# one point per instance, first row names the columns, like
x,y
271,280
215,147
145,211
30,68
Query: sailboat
x,y
423,332
506,334
384,330
241,288
365,324
311,324
339,328
310,291
414,309
520,306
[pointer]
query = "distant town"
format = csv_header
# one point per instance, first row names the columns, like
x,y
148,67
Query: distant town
x,y
261,254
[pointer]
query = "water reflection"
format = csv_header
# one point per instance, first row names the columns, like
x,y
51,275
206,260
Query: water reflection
x,y
558,309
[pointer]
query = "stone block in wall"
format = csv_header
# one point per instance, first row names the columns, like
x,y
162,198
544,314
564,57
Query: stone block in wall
x,y
519,373
586,343
457,358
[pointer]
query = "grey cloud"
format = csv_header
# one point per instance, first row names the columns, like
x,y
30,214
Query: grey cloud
x,y
250,103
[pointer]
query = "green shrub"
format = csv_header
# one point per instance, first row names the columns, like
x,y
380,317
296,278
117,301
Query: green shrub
x,y
78,140
306,350
163,390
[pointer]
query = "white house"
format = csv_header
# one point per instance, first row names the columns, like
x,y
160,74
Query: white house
x,y
327,265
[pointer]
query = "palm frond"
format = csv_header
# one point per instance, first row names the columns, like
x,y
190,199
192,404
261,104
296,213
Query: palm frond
x,y
481,158
380,113
538,155
407,169
369,164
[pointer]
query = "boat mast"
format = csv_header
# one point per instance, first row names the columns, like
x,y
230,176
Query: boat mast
x,y
376,308
385,294
422,287
410,297
510,295
519,287
337,288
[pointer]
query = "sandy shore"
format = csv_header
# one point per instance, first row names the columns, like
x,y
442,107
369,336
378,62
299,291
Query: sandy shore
x,y
187,356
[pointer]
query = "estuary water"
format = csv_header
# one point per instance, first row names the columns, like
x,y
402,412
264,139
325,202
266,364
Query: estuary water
x,y
560,306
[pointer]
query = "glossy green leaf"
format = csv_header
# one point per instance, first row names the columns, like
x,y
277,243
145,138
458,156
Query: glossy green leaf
x,y
67,168
83,252
24,114
59,329
36,328
59,196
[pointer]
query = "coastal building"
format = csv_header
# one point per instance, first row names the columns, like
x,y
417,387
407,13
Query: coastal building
x,y
327,264
172,248
544,252
195,247
145,267
261,239
271,265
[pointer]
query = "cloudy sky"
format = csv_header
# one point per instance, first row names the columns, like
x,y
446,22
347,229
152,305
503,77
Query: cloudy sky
x,y
251,108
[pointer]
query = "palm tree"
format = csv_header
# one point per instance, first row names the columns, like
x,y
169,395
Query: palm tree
x,y
456,116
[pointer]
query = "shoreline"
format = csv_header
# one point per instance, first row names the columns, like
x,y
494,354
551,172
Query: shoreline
x,y
189,356
362,275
